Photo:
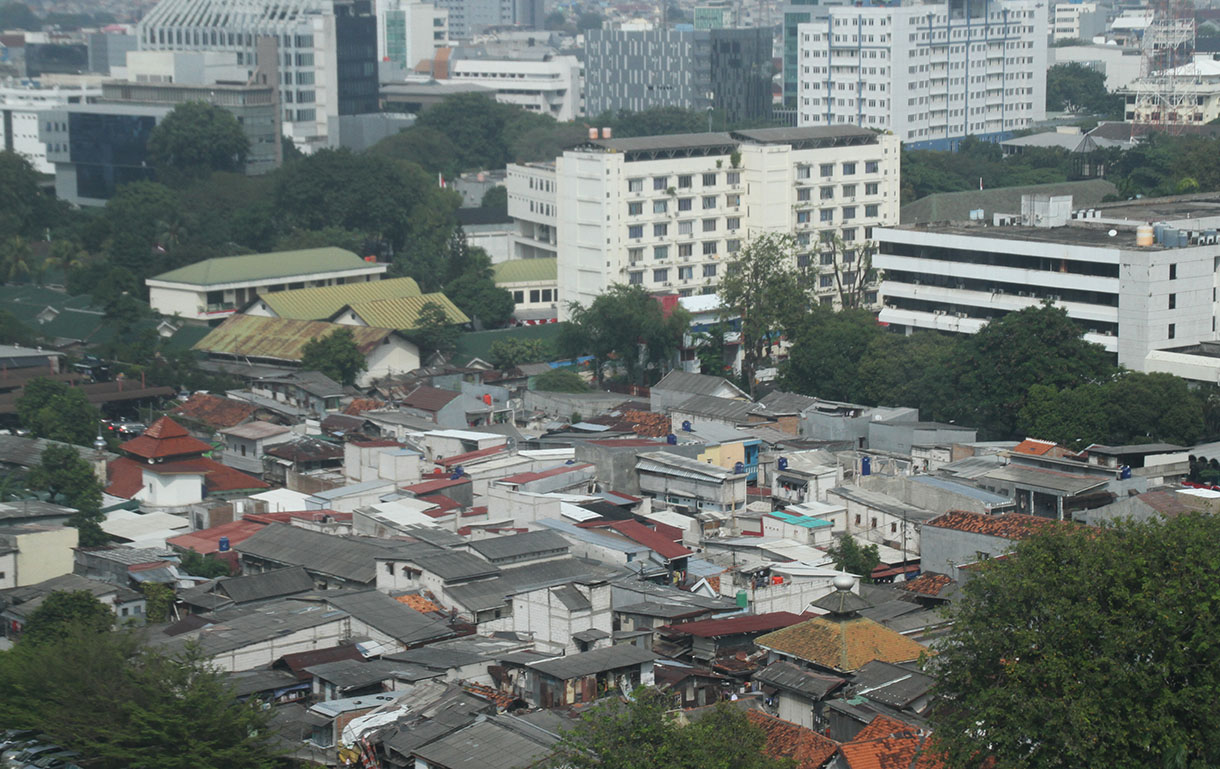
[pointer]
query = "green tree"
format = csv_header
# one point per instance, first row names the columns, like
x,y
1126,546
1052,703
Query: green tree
x,y
63,614
195,139
1087,647
560,380
433,333
760,289
625,325
505,354
335,355
336,237
135,217
496,197
589,20
70,480
17,264
158,601
430,148
555,20
915,370
642,733
852,557
1074,87
828,349
470,284
18,16
13,331
206,566
125,705
20,206
56,411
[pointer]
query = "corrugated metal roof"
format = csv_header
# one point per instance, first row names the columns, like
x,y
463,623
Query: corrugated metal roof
x,y
527,271
279,264
324,301
403,312
250,336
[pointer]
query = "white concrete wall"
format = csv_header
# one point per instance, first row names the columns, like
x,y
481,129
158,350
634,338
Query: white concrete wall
x,y
397,357
44,554
171,490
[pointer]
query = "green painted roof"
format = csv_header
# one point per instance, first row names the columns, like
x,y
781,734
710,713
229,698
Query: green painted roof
x,y
280,264
252,336
477,344
527,271
324,301
956,206
403,312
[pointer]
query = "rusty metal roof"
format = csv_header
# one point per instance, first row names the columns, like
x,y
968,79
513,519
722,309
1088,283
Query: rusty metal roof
x,y
251,336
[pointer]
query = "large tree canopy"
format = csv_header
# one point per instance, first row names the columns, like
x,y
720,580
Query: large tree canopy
x,y
627,326
195,139
1087,648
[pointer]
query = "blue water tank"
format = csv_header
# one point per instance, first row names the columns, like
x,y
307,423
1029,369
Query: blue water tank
x,y
686,425
866,466
457,473
1169,238
783,463
739,467
223,544
671,439
1124,473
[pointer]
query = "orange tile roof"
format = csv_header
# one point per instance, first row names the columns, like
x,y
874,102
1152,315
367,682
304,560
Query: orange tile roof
x,y
215,411
928,583
418,603
165,438
843,645
360,405
1007,526
888,743
647,424
881,727
806,748
1033,446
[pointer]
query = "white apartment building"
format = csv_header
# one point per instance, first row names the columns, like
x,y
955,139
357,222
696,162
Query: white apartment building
x,y
1185,95
1136,293
1076,21
20,106
667,212
548,85
531,204
933,74
409,32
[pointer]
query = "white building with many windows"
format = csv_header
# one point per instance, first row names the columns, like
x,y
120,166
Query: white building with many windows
x,y
546,84
20,107
667,212
933,74
1147,293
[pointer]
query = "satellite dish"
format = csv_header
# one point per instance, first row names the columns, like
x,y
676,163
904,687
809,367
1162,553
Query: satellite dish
x,y
1112,233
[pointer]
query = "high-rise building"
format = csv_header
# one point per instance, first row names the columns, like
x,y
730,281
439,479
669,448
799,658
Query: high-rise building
x,y
933,74
20,107
667,212
409,32
722,69
324,51
468,18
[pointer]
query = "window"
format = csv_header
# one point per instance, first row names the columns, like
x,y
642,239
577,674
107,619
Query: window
x,y
660,182
518,297
873,522
1173,301
872,188
828,258
709,202
635,185
684,204
849,234
828,193
709,247
686,249
709,225
389,568
871,210
635,209
732,200
826,281
660,206
686,273
709,270
660,276
826,215
849,213
893,528
804,193
826,170
732,246
849,190
802,217
635,231
709,180
732,177
1173,328
857,519
802,172
635,278
803,261
1173,272
660,252
535,296
685,181
871,166
635,254
660,230
849,169
686,228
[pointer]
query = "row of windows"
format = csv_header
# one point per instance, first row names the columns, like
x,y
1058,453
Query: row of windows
x,y
661,230
684,181
828,192
708,247
661,274
536,295
708,203
826,170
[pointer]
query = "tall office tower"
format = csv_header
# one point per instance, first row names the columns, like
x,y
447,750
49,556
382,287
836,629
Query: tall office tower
x,y
409,32
724,69
325,51
932,74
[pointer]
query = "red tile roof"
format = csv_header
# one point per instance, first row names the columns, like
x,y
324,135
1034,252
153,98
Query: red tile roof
x,y
637,532
753,623
928,583
527,477
207,541
881,727
806,748
888,743
300,515
428,398
215,411
647,424
425,488
126,476
1034,446
459,459
440,500
165,438
378,444
297,662
1008,525
359,405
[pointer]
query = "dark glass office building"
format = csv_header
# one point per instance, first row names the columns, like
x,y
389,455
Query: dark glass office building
x,y
356,57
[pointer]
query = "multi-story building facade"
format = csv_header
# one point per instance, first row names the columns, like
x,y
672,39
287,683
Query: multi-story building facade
x,y
20,107
932,74
667,212
1185,95
324,52
409,32
722,69
1076,20
546,84
469,18
532,205
1136,293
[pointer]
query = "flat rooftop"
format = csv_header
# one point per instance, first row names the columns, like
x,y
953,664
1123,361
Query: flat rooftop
x,y
1075,233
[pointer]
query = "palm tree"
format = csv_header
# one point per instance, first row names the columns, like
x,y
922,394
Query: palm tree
x,y
16,259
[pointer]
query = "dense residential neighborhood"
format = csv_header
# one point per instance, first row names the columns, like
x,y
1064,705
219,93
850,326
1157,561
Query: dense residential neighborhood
x,y
445,384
